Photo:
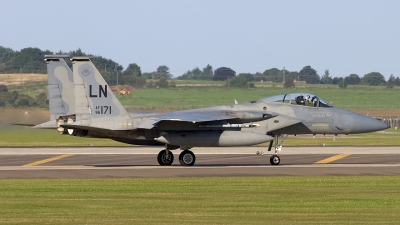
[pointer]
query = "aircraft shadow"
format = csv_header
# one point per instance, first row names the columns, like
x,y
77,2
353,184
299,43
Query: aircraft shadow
x,y
197,165
113,165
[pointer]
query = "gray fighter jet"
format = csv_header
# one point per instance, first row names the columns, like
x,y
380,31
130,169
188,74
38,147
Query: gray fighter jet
x,y
82,104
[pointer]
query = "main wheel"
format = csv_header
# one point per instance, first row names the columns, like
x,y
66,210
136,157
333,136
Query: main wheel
x,y
275,160
187,158
165,159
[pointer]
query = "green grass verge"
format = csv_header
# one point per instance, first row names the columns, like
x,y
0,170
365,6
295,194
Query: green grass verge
x,y
357,96
184,98
198,82
256,200
30,88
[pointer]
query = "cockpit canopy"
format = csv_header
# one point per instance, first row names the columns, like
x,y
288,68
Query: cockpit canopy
x,y
305,99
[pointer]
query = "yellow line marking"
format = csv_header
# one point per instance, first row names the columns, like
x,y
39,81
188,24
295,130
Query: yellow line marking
x,y
333,158
48,160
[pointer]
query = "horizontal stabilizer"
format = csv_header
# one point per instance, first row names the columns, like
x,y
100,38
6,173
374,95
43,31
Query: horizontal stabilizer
x,y
52,124
69,126
23,124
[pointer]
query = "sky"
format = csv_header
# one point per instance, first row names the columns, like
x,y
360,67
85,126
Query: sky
x,y
342,36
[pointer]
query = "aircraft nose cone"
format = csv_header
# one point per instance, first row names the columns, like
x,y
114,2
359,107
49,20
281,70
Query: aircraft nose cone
x,y
363,124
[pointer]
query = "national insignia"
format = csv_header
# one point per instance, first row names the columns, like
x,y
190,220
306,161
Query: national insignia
x,y
85,71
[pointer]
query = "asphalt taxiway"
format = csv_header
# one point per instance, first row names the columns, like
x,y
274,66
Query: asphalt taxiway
x,y
105,162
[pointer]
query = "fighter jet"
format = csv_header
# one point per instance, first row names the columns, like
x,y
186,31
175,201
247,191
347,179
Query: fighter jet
x,y
82,104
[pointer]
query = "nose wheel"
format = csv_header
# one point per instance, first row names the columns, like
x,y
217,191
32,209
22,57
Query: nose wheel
x,y
275,160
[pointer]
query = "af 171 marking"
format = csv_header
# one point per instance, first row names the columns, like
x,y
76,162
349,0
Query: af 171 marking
x,y
103,110
240,124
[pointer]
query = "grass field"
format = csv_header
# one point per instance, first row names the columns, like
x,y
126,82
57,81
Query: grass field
x,y
21,79
184,98
257,200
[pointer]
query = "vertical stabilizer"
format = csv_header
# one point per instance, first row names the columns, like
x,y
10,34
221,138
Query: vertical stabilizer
x,y
94,98
60,86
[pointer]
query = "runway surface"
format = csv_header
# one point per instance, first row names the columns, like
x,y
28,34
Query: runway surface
x,y
106,162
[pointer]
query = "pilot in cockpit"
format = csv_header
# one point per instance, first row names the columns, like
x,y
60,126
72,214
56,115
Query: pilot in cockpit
x,y
300,100
307,101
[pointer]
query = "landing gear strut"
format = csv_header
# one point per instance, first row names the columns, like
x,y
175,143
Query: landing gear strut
x,y
275,159
165,158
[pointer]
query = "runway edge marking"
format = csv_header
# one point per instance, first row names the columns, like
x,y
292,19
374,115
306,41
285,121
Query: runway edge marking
x,y
48,160
332,158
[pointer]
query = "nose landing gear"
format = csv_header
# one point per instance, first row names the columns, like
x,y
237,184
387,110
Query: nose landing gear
x,y
275,159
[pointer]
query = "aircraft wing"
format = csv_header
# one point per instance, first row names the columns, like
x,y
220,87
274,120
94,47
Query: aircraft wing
x,y
275,120
191,117
282,121
152,121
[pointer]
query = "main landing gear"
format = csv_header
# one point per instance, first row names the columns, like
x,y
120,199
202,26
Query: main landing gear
x,y
187,158
275,159
166,158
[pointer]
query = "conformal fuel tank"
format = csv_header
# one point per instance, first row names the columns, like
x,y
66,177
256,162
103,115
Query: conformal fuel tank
x,y
213,138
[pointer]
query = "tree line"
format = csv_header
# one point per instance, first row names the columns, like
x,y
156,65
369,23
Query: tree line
x,y
30,60
15,99
310,76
